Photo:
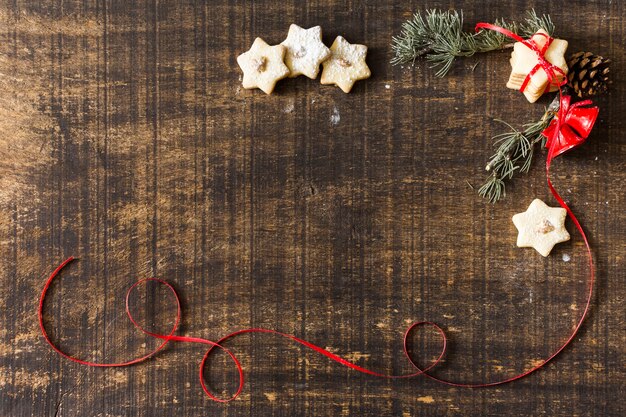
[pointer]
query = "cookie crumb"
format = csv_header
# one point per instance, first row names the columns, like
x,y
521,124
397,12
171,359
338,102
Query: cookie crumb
x,y
259,63
344,62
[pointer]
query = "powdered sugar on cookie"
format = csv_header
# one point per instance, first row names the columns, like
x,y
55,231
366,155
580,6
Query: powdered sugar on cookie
x,y
541,227
305,51
346,64
263,66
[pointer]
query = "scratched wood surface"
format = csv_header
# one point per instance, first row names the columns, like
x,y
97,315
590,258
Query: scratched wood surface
x,y
126,141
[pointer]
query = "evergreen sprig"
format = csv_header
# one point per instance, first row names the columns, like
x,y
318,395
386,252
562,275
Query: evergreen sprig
x,y
439,36
515,150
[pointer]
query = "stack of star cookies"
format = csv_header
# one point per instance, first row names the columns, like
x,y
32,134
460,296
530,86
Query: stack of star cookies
x,y
301,54
524,59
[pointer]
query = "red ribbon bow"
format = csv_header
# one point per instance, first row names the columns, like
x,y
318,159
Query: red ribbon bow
x,y
570,127
542,62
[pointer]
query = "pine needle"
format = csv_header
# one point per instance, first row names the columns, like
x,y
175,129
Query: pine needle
x,y
493,189
534,22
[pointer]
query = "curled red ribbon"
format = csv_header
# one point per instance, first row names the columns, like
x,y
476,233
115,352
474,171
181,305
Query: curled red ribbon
x,y
570,128
172,337
542,62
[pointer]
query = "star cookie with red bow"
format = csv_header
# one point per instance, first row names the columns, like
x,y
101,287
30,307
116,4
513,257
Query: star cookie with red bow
x,y
527,71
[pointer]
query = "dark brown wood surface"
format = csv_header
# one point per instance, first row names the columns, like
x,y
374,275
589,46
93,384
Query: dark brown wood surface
x,y
126,141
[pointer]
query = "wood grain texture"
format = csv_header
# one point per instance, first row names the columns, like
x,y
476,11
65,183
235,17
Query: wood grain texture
x,y
126,141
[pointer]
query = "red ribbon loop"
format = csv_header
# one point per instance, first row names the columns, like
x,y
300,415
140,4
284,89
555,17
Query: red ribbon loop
x,y
542,63
172,337
570,127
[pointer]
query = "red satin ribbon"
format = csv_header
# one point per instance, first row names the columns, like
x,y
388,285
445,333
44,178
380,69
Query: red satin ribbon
x,y
542,62
172,337
569,128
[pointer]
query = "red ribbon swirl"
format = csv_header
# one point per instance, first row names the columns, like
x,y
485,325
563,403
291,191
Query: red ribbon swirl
x,y
174,338
570,128
542,62
171,336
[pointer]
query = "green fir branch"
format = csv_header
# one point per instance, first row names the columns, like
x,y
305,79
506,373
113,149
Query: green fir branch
x,y
514,153
438,36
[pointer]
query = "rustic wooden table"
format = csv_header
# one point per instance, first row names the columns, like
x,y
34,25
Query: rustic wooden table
x,y
126,141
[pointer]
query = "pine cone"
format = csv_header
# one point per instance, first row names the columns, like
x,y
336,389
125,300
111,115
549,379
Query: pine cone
x,y
588,74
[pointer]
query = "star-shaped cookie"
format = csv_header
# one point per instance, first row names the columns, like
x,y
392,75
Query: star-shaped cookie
x,y
346,64
305,51
524,59
263,66
541,227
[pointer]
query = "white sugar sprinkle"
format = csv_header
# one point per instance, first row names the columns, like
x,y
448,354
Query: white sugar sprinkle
x,y
335,117
289,108
566,257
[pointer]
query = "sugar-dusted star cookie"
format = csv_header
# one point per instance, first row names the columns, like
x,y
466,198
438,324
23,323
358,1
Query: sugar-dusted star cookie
x,y
541,227
263,66
305,51
346,65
